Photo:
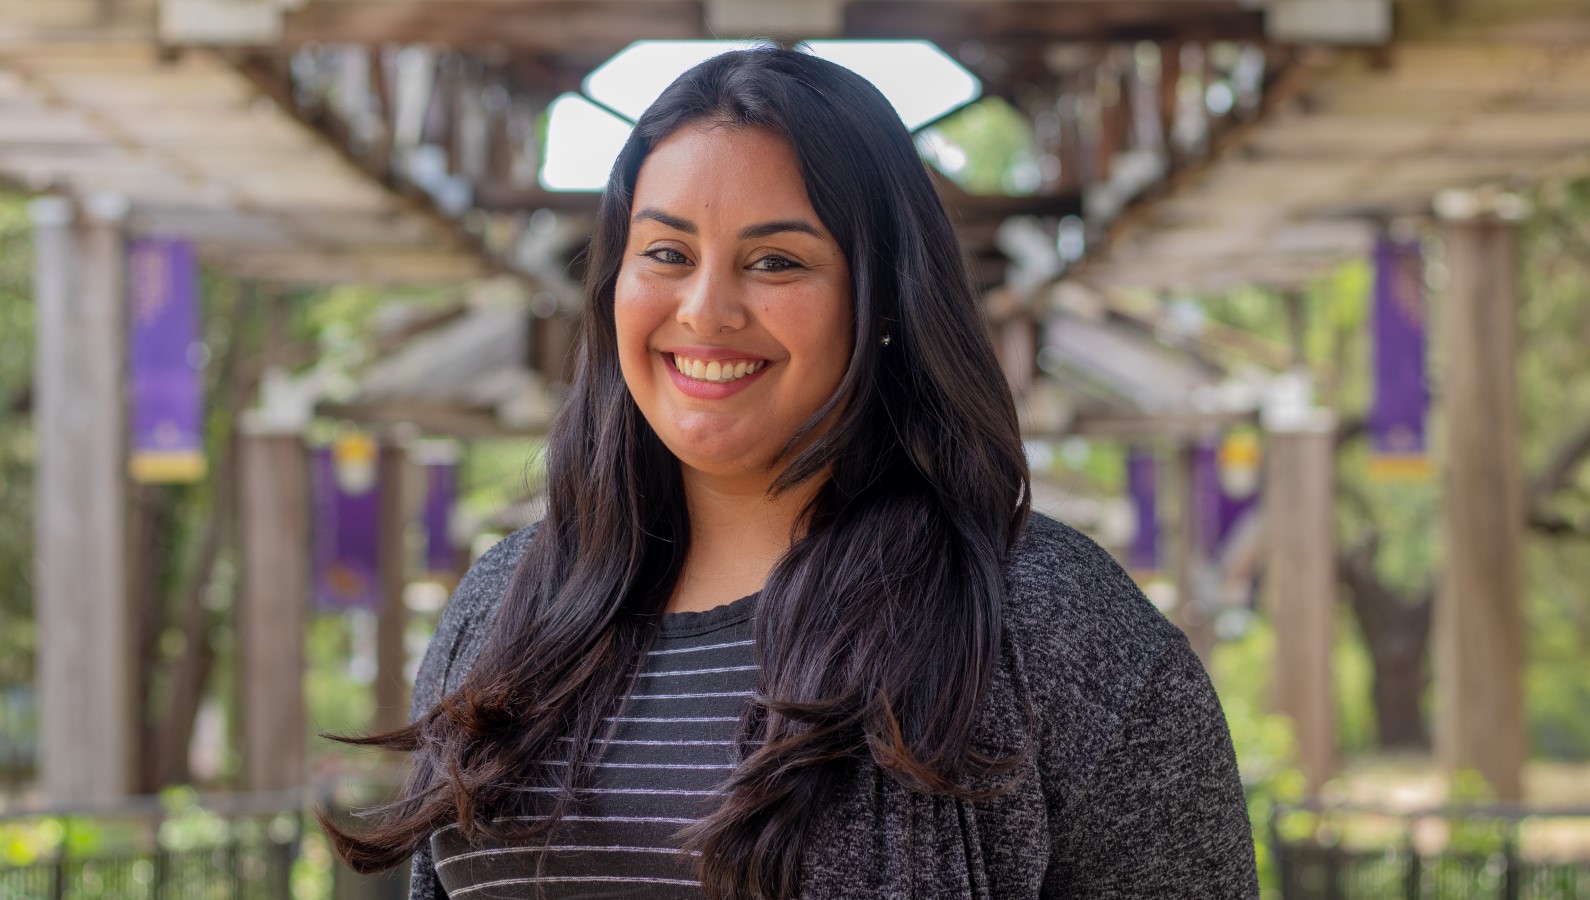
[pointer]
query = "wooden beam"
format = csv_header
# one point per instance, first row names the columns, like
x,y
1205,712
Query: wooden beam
x,y
1192,613
270,82
1479,616
274,507
591,30
431,418
87,740
1078,21
1300,586
1178,426
391,684
386,266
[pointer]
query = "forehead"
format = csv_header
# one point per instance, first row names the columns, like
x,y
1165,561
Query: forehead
x,y
723,172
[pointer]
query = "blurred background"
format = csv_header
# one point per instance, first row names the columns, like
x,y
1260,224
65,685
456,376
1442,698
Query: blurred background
x,y
1292,294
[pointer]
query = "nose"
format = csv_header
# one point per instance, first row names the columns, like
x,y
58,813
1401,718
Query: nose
x,y
710,302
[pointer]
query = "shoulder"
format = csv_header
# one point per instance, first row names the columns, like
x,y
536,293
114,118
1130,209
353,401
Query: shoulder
x,y
462,628
1082,632
1062,586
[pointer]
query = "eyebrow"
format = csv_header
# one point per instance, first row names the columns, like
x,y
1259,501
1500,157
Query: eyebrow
x,y
749,232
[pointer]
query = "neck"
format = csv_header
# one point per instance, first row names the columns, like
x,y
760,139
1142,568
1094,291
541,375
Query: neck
x,y
737,534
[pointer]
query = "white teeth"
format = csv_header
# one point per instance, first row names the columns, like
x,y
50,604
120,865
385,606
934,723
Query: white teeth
x,y
718,371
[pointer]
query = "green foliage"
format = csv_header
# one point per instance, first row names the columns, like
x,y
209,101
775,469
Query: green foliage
x,y
1554,392
1556,675
1266,752
1477,835
312,869
1353,674
339,700
987,147
17,634
494,472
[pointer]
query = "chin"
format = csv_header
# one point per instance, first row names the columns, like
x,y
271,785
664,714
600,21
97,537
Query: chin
x,y
716,458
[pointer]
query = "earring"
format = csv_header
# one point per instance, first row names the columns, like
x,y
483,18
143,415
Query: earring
x,y
886,339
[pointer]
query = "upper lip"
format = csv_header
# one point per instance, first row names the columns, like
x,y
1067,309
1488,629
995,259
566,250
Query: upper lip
x,y
708,354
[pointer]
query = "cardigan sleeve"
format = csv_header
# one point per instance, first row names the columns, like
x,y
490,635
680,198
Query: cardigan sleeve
x,y
456,626
1162,813
451,651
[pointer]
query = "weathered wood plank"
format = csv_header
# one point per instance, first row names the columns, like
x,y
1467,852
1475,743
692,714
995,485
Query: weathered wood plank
x,y
274,526
1300,588
391,684
85,655
1479,655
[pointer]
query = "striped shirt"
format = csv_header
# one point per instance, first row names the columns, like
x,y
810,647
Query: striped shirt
x,y
672,749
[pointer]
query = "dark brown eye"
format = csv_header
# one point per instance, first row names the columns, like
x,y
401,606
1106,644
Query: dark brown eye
x,y
666,255
774,263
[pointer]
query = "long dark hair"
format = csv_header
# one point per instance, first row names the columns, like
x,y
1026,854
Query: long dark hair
x,y
878,631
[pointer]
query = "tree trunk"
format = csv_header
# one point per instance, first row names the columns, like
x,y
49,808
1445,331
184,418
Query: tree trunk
x,y
1400,678
149,520
1396,632
190,672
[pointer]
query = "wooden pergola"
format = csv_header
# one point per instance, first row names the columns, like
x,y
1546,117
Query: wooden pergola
x,y
322,141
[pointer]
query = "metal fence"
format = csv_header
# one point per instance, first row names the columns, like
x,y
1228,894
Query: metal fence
x,y
228,847
260,871
19,721
1469,853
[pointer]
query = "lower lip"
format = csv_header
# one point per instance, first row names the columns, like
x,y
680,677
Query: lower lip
x,y
709,390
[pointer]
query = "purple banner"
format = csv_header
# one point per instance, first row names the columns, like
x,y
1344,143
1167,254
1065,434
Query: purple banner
x,y
166,396
441,491
1144,555
1226,489
1402,396
347,525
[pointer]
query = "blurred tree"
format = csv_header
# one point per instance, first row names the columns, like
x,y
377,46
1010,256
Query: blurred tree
x,y
1389,534
16,479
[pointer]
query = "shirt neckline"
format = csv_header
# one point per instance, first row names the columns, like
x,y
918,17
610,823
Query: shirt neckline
x,y
686,624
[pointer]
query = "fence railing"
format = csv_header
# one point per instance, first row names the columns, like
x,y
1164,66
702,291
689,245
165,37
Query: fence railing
x,y
182,847
1493,852
252,847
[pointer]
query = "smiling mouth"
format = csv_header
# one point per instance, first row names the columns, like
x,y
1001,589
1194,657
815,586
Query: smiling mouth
x,y
717,371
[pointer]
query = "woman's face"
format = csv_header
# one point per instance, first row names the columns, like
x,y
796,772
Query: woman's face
x,y
733,305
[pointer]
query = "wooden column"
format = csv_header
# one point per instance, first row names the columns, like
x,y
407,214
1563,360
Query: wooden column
x,y
391,685
1017,348
1192,611
1479,627
273,468
1300,583
87,704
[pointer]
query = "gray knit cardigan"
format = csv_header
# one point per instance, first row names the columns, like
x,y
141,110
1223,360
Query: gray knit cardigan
x,y
1129,787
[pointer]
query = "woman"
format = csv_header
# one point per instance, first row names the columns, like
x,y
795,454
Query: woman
x,y
787,628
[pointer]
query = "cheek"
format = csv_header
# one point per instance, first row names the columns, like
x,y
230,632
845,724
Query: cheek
x,y
821,323
638,310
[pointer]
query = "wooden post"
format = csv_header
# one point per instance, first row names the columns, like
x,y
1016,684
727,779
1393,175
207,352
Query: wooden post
x,y
391,687
274,507
1300,581
1479,618
87,703
1017,349
1169,98
1192,612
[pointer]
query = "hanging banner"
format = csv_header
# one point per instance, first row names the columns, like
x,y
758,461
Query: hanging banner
x,y
347,525
1144,553
166,391
1402,396
1226,476
441,492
